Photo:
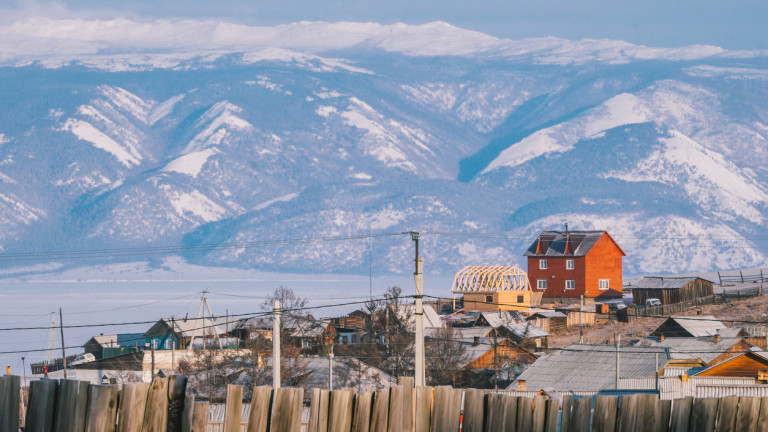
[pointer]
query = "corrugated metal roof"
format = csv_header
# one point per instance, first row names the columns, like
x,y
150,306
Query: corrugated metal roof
x,y
699,325
591,367
526,330
704,348
658,282
500,318
547,314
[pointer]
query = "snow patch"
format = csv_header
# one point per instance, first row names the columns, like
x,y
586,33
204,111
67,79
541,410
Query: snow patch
x,y
218,122
196,204
87,132
164,108
284,198
191,163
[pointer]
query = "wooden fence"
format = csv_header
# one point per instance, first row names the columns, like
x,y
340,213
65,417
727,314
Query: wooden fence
x,y
76,406
668,309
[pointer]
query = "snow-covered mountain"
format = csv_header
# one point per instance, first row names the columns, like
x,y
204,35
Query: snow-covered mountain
x,y
154,138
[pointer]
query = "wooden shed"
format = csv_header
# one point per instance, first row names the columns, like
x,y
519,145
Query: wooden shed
x,y
670,290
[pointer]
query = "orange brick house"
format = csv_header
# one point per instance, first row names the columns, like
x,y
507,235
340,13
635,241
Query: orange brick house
x,y
566,265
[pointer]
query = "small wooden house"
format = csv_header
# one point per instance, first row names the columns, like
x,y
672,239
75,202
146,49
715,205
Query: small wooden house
x,y
689,326
751,364
671,290
564,265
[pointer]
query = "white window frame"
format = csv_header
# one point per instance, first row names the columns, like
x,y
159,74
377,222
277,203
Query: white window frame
x,y
603,284
569,264
168,344
571,282
541,284
542,264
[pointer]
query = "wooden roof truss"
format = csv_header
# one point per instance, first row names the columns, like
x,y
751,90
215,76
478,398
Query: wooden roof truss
x,y
490,278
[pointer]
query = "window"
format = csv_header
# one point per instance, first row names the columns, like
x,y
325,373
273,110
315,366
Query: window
x,y
570,284
542,264
569,264
603,284
541,284
168,344
521,299
155,343
489,299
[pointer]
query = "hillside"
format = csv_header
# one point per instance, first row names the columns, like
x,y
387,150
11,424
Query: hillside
x,y
244,139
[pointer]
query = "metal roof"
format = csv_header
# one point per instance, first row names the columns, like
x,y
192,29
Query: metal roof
x,y
500,318
661,282
591,367
699,325
552,243
547,314
525,330
704,348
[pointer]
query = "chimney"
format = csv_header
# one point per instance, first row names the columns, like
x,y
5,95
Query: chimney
x,y
476,341
567,241
684,377
538,246
661,337
717,338
521,385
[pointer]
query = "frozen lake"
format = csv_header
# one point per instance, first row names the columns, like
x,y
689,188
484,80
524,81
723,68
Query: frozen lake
x,y
128,298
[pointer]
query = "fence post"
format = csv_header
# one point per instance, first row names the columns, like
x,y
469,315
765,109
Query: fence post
x,y
177,387
133,402
102,408
10,387
156,418
261,401
233,409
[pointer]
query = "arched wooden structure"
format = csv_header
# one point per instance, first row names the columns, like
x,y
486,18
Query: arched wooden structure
x,y
493,288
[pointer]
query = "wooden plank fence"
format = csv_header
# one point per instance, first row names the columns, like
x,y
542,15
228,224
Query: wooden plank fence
x,y
72,406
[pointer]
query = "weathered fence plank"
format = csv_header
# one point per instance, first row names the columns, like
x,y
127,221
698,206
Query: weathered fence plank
x,y
286,412
156,416
661,415
704,415
539,414
133,402
340,411
81,406
380,414
524,413
318,411
726,414
9,403
233,410
565,418
177,387
447,407
261,404
200,417
606,409
649,411
474,411
580,414
553,411
762,420
746,418
511,422
66,406
102,408
188,416
629,405
401,408
681,415
41,405
422,408
496,412
361,422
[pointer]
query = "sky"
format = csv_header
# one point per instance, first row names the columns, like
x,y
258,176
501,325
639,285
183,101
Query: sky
x,y
731,24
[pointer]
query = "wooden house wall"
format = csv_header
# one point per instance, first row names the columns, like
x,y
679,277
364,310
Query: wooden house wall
x,y
505,352
697,289
747,365
737,348
670,328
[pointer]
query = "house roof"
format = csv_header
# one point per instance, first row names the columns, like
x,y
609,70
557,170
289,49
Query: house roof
x,y
500,318
579,243
659,282
525,330
590,367
696,326
704,348
119,340
310,328
430,317
196,327
547,314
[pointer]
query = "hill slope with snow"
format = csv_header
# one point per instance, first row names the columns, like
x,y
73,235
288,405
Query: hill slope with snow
x,y
158,137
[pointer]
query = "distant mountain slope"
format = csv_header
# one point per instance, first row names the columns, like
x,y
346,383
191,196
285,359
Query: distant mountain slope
x,y
246,137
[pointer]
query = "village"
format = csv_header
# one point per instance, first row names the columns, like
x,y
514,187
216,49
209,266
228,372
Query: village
x,y
570,325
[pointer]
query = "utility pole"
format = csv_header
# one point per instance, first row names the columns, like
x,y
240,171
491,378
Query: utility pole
x,y
330,369
276,344
419,379
618,342
63,352
581,320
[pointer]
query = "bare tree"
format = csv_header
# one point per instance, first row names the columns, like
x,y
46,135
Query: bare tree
x,y
293,368
445,357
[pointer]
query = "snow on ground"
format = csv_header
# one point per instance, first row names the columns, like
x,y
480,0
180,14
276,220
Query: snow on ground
x,y
164,108
191,163
87,132
284,198
195,204
217,122
706,176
